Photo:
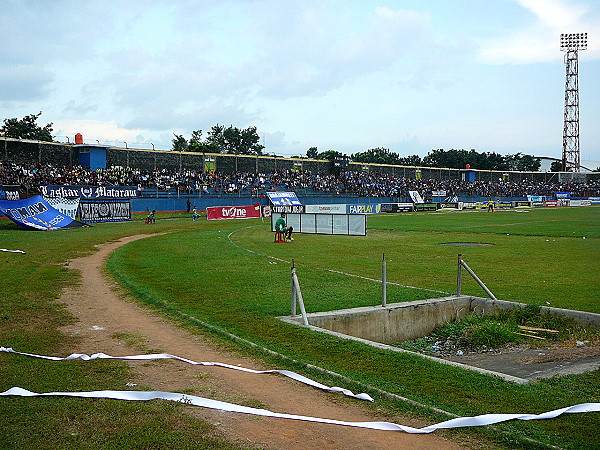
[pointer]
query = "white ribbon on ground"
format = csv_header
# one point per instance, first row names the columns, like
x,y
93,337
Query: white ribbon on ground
x,y
475,421
287,373
11,251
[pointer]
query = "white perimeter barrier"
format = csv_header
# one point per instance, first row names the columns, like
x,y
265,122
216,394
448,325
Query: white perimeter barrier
x,y
475,421
287,373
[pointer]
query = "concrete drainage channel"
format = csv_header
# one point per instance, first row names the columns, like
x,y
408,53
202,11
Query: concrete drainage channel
x,y
379,326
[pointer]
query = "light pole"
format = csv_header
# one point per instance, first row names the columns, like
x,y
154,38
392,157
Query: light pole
x,y
571,43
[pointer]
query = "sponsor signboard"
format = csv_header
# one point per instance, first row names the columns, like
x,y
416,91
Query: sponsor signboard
x,y
325,209
521,204
425,206
594,200
104,211
551,203
363,209
89,192
580,203
233,212
396,207
469,205
503,205
288,209
563,201
283,198
450,205
35,213
265,210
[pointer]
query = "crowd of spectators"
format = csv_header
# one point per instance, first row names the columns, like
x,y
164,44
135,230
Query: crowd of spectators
x,y
352,183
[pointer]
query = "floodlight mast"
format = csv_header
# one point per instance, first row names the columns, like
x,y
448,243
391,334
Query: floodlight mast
x,y
571,43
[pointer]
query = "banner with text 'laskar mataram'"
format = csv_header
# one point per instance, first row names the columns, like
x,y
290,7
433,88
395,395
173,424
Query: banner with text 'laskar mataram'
x,y
90,192
35,213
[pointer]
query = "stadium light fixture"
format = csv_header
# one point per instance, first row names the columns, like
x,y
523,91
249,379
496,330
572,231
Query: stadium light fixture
x,y
571,43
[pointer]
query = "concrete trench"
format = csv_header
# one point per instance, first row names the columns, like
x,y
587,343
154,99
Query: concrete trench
x,y
379,327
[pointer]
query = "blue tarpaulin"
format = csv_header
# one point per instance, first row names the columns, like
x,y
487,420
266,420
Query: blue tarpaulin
x,y
35,213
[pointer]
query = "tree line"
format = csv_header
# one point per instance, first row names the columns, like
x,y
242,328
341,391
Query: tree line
x,y
232,140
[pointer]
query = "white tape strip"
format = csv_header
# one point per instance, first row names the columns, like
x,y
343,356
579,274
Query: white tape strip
x,y
287,373
11,251
475,421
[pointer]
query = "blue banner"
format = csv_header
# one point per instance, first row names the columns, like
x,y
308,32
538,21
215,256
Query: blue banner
x,y
35,213
283,198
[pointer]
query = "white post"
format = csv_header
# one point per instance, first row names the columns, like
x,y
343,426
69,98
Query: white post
x,y
459,275
299,295
294,308
383,282
478,281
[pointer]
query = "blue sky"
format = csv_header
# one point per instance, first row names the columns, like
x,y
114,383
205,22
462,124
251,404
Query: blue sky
x,y
410,76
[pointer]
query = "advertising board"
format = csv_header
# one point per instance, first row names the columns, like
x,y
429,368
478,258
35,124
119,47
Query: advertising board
x,y
396,207
233,212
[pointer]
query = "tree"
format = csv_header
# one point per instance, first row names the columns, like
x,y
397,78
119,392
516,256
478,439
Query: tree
x,y
27,128
180,144
198,145
529,163
556,166
232,140
312,153
330,155
377,155
412,160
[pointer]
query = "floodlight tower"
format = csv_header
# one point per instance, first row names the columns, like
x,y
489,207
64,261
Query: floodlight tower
x,y
571,44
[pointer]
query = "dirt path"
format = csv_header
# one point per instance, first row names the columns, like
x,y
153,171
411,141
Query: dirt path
x,y
108,324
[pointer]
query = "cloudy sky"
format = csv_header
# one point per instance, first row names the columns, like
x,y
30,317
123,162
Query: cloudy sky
x,y
407,75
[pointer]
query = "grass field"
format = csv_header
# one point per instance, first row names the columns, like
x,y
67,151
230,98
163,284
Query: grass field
x,y
230,275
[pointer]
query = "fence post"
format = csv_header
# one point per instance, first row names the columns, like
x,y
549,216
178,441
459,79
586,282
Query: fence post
x,y
459,275
476,278
294,307
299,295
383,282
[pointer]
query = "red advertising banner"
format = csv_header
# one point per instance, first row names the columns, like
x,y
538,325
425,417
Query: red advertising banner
x,y
233,212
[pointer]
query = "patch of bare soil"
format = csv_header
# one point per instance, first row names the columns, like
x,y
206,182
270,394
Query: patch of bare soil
x,y
115,326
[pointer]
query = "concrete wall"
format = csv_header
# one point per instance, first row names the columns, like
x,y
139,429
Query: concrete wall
x,y
394,323
411,320
36,152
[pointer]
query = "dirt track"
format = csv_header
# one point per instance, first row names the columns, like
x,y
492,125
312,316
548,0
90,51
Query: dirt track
x,y
106,322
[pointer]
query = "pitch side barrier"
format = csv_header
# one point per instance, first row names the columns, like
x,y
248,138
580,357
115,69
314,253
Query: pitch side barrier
x,y
323,223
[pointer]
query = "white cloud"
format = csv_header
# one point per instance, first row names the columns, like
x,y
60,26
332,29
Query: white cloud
x,y
538,41
556,14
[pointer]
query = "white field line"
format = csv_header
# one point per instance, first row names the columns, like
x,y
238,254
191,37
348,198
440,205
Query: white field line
x,y
328,270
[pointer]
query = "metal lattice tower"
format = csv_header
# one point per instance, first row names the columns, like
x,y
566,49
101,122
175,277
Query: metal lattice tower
x,y
571,44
